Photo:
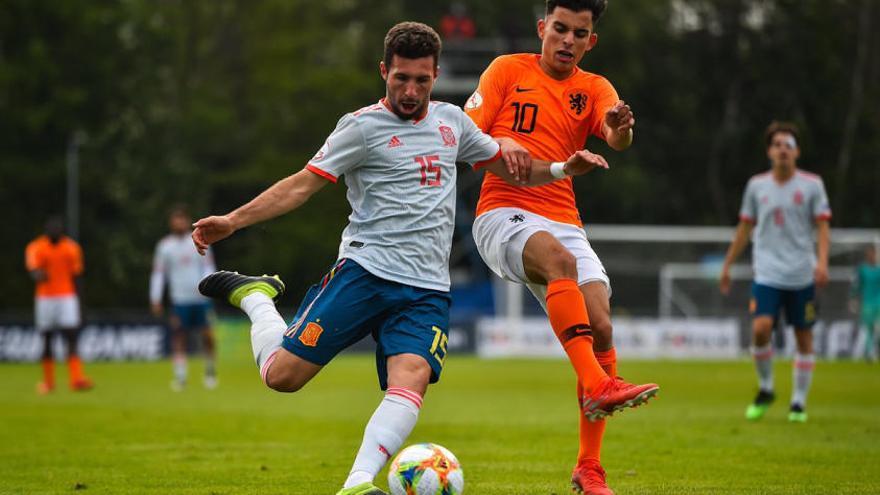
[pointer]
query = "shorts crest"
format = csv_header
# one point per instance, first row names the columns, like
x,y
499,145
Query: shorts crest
x,y
311,334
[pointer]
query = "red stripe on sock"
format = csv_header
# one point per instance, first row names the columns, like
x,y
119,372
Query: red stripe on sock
x,y
407,394
805,365
763,354
265,369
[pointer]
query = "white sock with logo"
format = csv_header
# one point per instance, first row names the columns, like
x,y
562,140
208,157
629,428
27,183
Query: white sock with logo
x,y
267,328
180,367
763,357
802,377
385,433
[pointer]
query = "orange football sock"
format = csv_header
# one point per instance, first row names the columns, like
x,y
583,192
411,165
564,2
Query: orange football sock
x,y
76,370
608,361
48,372
571,324
591,433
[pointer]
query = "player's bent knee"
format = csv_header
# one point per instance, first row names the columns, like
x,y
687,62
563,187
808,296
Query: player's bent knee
x,y
560,263
410,371
283,381
762,329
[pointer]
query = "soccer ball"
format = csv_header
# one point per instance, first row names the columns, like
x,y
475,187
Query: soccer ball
x,y
425,469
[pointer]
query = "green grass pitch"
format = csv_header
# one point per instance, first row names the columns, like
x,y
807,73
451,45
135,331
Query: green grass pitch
x,y
512,424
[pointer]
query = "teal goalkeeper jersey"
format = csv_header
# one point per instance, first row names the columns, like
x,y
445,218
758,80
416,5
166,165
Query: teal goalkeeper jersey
x,y
868,283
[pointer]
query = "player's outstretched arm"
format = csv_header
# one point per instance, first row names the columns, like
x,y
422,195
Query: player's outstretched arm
x,y
283,196
823,242
740,240
618,126
543,172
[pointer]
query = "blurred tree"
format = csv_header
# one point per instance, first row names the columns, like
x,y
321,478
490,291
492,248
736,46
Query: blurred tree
x,y
210,102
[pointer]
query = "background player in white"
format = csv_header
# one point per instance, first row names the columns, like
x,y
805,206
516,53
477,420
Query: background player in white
x,y
785,209
391,278
178,263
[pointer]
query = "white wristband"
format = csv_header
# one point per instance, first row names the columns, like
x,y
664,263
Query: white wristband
x,y
557,169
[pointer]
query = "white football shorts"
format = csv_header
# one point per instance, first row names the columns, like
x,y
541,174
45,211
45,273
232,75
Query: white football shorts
x,y
501,236
56,312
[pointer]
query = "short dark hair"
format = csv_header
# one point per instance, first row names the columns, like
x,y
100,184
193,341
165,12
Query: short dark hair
x,y
411,40
597,7
776,127
179,209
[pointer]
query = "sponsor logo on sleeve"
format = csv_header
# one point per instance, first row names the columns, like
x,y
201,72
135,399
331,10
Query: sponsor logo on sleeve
x,y
474,101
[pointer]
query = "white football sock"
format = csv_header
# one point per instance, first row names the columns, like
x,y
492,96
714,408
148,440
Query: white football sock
x,y
210,366
763,357
267,327
802,377
180,368
389,427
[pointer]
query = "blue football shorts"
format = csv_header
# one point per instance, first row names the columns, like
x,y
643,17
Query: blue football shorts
x,y
350,303
799,305
192,316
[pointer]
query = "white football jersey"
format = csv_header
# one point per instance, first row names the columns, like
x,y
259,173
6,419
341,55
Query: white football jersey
x,y
401,186
784,214
177,260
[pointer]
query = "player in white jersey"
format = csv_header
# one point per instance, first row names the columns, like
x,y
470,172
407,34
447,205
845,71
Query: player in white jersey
x,y
177,263
391,279
785,209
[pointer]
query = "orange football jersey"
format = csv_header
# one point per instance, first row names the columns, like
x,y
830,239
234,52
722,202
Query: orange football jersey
x,y
550,118
61,262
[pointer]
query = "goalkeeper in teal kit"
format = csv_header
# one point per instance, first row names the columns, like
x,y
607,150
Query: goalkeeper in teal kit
x,y
866,292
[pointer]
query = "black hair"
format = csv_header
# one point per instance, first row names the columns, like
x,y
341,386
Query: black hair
x,y
597,7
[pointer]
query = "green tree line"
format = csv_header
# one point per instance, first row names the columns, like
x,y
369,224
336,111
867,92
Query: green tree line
x,y
209,102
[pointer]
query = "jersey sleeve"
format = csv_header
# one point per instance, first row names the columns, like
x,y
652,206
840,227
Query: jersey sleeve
x,y
77,266
32,257
820,205
344,149
604,97
483,106
157,277
476,147
748,212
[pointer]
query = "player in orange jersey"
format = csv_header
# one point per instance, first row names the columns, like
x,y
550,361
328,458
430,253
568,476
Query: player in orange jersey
x,y
55,263
534,235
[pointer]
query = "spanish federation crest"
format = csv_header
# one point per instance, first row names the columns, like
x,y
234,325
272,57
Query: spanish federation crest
x,y
448,135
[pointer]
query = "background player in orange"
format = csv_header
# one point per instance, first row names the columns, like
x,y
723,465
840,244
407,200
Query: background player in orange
x,y
534,235
55,263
